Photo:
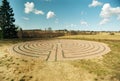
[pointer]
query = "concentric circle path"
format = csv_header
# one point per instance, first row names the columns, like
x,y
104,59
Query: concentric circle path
x,y
54,50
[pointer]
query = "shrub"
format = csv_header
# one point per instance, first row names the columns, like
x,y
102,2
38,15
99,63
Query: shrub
x,y
111,33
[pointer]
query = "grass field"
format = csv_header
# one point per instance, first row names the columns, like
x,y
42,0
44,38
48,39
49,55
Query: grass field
x,y
93,37
104,68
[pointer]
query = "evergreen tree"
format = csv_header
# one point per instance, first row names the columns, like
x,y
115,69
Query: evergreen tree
x,y
8,29
0,23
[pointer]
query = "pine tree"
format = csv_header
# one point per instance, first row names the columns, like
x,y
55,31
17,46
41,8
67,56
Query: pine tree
x,y
0,23
8,29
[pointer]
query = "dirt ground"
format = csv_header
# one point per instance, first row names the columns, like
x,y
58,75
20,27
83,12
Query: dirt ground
x,y
57,50
19,67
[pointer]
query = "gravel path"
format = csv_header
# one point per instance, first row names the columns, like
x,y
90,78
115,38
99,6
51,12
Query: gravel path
x,y
57,50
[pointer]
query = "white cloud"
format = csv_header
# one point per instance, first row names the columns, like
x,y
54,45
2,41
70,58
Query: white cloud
x,y
50,14
73,25
25,18
38,12
104,21
95,3
29,7
84,23
118,17
107,12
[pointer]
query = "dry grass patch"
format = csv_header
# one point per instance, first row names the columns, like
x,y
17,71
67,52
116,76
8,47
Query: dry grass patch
x,y
105,68
93,37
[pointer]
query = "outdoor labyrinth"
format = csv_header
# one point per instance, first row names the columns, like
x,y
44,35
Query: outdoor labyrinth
x,y
55,50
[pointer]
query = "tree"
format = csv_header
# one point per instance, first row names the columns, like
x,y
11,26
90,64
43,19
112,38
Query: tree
x,y
20,32
49,29
0,23
8,29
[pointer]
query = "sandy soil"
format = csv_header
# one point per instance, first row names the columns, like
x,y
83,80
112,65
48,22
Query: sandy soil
x,y
25,61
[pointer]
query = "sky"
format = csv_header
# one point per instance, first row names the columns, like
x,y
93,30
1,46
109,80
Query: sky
x,y
91,15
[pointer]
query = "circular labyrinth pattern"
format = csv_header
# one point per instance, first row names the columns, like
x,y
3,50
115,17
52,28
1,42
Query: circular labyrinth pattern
x,y
53,50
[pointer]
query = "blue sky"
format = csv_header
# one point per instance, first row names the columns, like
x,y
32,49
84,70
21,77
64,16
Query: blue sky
x,y
96,15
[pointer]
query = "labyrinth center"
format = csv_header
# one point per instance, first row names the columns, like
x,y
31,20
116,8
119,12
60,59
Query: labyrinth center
x,y
54,50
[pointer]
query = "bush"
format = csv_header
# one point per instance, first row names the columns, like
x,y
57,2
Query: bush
x,y
111,33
